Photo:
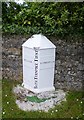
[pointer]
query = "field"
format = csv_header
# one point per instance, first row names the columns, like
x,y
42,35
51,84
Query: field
x,y
72,108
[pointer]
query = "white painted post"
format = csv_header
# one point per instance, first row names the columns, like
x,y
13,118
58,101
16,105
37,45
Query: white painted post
x,y
38,64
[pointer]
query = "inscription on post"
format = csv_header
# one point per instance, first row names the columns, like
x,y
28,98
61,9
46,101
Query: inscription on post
x,y
36,68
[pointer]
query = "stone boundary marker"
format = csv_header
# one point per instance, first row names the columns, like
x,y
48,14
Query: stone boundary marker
x,y
69,61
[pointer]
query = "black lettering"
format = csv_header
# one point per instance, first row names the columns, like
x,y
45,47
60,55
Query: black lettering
x,y
35,60
35,78
35,85
36,68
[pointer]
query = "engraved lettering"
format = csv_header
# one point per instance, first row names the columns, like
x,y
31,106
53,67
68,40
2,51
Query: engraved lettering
x,y
36,69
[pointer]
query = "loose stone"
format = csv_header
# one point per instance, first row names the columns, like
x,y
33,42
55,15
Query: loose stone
x,y
52,98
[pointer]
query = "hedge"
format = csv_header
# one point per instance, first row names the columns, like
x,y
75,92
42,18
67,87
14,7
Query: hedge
x,y
51,18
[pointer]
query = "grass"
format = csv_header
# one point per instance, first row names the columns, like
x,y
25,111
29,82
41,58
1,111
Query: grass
x,y
72,108
0,98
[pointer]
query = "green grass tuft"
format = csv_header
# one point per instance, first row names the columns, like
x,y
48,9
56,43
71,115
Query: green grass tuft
x,y
72,108
0,98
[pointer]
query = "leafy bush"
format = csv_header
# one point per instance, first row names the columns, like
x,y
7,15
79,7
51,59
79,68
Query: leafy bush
x,y
51,18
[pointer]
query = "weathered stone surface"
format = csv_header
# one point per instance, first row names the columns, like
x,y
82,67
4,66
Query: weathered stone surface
x,y
68,67
80,66
52,98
